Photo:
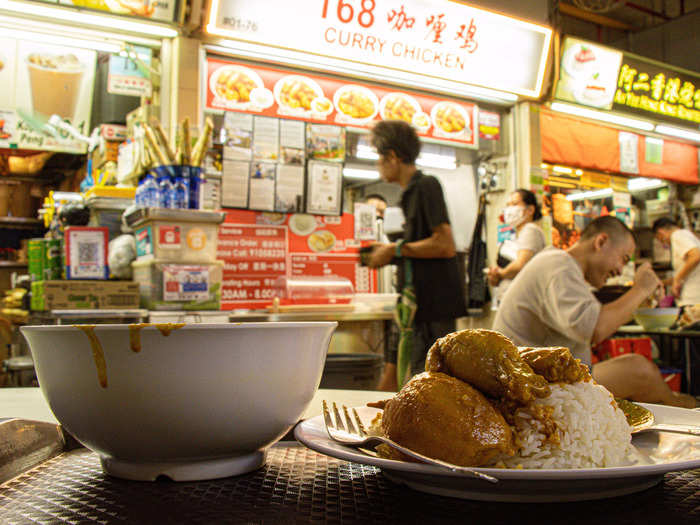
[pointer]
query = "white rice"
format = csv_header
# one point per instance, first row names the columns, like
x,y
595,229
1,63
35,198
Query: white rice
x,y
593,432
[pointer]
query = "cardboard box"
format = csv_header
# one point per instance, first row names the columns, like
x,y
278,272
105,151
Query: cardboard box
x,y
87,295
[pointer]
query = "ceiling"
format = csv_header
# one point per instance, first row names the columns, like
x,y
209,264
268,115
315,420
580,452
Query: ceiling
x,y
665,30
637,15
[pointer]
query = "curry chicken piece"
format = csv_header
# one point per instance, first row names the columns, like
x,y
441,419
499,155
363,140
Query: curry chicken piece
x,y
444,418
555,364
490,362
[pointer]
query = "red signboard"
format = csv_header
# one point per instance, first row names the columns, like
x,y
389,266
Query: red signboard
x,y
276,93
259,247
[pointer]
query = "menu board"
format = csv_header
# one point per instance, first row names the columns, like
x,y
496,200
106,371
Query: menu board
x,y
271,92
258,247
37,81
254,255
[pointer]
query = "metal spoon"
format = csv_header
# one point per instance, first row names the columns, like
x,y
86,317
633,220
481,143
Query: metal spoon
x,y
642,420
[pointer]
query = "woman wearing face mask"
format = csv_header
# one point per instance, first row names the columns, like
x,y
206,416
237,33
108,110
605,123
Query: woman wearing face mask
x,y
520,213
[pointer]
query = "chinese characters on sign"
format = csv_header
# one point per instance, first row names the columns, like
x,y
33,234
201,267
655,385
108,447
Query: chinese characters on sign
x,y
452,41
647,88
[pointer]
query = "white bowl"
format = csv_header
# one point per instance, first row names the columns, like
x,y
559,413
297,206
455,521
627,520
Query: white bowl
x,y
654,318
202,402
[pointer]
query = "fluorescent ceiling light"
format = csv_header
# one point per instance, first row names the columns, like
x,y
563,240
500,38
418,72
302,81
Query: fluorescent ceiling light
x,y
642,183
104,46
596,194
435,160
93,20
356,173
678,132
562,169
46,31
579,172
603,116
366,152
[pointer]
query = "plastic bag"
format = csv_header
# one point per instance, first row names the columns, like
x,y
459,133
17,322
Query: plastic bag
x,y
122,252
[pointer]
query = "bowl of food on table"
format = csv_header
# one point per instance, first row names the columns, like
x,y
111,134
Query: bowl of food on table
x,y
656,318
184,401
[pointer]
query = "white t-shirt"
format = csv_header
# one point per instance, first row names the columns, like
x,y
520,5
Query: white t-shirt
x,y
530,237
550,303
682,241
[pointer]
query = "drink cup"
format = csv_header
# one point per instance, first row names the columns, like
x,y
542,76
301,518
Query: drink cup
x,y
55,83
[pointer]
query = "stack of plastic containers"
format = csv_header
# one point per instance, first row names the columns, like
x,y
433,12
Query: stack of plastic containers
x,y
176,265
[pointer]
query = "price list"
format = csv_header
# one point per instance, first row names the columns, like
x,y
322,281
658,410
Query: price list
x,y
254,256
341,265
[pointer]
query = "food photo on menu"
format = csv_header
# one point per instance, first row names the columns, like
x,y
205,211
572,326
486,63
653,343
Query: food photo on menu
x,y
588,74
325,142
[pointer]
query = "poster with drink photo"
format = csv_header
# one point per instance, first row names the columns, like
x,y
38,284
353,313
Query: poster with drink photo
x,y
8,50
53,80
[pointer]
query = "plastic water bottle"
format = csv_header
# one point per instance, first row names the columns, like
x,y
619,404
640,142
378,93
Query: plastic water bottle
x,y
181,194
194,185
150,192
166,193
138,196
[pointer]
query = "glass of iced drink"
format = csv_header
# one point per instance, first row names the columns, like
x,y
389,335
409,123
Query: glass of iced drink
x,y
55,82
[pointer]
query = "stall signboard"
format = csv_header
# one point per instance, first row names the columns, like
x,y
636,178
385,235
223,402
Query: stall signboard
x,y
260,90
38,80
259,247
605,78
659,92
446,40
160,10
587,73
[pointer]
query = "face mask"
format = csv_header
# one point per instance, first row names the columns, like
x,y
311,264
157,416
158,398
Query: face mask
x,y
514,215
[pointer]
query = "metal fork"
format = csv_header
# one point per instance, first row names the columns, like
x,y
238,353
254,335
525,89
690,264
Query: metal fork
x,y
354,434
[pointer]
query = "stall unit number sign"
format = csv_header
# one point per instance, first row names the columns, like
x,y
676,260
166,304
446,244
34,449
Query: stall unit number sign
x,y
254,256
447,40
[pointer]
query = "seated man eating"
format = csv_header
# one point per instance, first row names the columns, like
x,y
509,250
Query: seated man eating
x,y
551,303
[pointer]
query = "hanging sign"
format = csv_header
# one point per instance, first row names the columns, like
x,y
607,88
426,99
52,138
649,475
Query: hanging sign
x,y
446,40
629,152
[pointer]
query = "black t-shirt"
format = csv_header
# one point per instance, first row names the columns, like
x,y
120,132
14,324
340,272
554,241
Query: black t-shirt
x,y
439,290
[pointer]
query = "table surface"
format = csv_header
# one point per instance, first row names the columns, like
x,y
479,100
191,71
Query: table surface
x,y
636,329
296,485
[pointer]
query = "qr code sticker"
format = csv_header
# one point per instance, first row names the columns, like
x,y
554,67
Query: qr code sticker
x,y
88,253
87,258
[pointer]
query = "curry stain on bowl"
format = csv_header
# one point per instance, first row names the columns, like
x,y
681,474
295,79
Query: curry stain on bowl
x,y
98,354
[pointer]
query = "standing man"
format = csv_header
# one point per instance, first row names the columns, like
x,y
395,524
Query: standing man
x,y
685,257
550,303
427,242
